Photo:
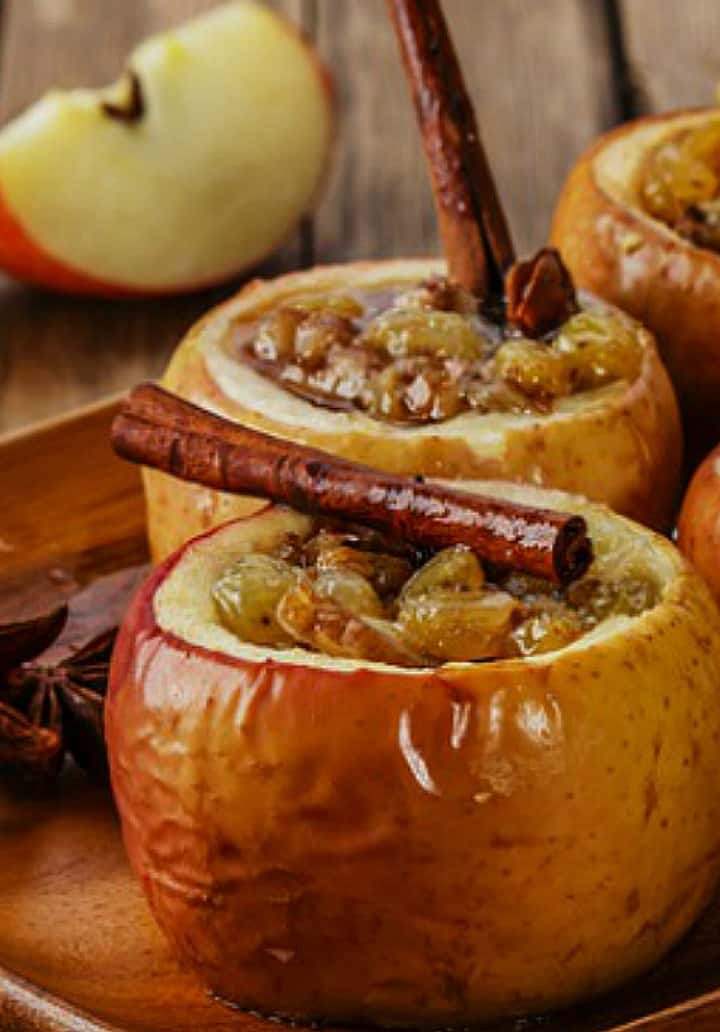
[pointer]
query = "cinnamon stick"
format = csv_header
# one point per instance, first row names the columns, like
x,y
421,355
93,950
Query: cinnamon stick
x,y
474,231
159,429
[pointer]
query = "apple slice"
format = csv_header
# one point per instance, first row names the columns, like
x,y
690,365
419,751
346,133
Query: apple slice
x,y
194,166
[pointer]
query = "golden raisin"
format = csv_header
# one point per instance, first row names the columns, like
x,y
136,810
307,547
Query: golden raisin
x,y
246,597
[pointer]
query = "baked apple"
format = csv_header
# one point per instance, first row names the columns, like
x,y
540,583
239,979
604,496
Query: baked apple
x,y
390,363
699,521
480,366
359,783
638,223
177,176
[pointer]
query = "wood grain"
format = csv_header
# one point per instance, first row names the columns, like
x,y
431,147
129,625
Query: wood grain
x,y
64,519
518,59
79,951
673,50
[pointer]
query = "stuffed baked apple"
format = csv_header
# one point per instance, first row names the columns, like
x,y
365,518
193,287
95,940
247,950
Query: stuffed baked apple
x,y
411,757
474,367
638,223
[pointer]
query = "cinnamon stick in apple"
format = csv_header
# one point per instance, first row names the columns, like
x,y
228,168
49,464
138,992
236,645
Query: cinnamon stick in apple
x,y
159,429
539,293
474,231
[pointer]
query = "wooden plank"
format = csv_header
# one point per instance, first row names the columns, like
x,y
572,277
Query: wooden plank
x,y
52,515
59,352
673,49
535,74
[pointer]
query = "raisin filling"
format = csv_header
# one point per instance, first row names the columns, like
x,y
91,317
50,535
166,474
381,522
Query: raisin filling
x,y
352,593
679,184
426,354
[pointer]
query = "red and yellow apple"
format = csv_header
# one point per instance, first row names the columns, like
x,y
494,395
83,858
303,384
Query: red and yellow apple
x,y
322,838
192,168
615,249
699,521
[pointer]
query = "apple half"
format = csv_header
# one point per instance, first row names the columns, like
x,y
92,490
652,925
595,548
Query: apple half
x,y
322,838
619,252
190,169
619,444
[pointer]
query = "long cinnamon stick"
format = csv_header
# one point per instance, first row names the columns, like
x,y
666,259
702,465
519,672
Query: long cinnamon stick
x,y
474,231
159,429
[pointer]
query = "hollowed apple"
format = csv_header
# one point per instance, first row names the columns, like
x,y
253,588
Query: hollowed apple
x,y
614,248
354,841
619,444
193,167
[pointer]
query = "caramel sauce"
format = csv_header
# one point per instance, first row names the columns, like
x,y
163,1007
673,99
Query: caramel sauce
x,y
424,354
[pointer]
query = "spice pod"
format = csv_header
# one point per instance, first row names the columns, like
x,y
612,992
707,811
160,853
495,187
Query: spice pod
x,y
638,223
476,366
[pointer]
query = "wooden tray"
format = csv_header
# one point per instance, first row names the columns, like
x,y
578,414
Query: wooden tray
x,y
78,948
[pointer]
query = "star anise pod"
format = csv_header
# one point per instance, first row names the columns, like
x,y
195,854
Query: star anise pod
x,y
50,709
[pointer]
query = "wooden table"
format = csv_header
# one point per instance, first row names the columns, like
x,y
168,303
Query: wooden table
x,y
547,76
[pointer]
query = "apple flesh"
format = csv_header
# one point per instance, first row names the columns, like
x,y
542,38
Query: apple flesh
x,y
193,167
326,839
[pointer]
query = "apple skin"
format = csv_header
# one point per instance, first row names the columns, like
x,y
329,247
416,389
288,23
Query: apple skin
x,y
620,253
625,451
424,848
699,521
40,245
23,259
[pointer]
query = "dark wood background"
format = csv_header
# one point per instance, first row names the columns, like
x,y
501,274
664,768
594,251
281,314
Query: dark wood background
x,y
547,76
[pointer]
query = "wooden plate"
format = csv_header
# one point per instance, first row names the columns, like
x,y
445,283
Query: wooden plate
x,y
78,948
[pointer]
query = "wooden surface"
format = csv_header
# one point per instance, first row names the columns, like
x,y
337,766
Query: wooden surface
x,y
547,76
79,951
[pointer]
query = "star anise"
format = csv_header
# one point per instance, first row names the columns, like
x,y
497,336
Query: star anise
x,y
53,675
50,709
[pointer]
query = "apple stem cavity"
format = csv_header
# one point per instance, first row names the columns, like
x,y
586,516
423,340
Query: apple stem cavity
x,y
129,106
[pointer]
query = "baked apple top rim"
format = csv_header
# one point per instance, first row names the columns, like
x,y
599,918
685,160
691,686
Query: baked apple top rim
x,y
617,158
241,385
187,615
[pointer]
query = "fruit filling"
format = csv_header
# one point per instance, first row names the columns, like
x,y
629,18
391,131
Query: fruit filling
x,y
679,184
351,592
427,353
